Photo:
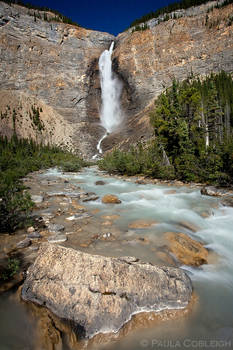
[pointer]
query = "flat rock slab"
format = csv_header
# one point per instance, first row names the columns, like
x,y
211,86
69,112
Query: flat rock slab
x,y
64,194
37,199
57,238
56,228
140,224
78,217
24,244
100,294
216,192
91,198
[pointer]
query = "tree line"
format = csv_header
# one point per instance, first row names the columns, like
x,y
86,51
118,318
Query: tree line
x,y
57,18
183,4
193,134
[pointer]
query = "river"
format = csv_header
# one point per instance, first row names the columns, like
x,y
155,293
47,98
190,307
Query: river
x,y
210,324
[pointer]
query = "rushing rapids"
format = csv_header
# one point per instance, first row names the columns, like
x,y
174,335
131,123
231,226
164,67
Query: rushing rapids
x,y
163,209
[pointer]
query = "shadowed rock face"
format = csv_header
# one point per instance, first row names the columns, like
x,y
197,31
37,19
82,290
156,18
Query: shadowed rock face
x,y
100,294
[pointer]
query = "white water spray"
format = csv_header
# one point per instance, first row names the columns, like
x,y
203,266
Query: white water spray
x,y
110,115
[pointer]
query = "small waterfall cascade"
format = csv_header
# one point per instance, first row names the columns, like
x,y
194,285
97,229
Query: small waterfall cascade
x,y
111,87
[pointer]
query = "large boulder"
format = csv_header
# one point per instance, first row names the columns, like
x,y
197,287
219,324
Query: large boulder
x,y
110,199
187,250
215,192
100,294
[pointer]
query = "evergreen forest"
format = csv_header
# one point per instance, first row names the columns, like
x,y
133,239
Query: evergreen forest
x,y
193,135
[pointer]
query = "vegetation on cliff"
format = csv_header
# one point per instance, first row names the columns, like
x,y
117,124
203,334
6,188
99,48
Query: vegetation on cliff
x,y
193,124
183,4
18,157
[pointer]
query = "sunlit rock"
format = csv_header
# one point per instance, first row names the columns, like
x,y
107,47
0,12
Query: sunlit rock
x,y
100,294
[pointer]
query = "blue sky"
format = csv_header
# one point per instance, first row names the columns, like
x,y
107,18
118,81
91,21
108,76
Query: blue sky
x,y
112,16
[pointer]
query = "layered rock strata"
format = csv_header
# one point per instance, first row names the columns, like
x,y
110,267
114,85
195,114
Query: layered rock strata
x,y
49,77
46,78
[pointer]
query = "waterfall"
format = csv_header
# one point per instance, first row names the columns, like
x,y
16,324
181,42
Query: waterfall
x,y
110,114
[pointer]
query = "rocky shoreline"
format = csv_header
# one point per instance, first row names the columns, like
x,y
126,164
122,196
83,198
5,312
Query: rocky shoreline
x,y
62,218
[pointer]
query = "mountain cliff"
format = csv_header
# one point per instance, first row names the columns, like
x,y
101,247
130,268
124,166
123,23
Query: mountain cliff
x,y
46,79
49,79
198,43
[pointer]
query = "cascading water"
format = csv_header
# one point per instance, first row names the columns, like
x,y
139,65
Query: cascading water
x,y
111,114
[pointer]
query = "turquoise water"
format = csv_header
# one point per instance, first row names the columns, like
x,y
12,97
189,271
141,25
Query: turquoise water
x,y
210,324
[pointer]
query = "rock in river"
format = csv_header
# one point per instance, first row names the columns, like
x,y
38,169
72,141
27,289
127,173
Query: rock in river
x,y
110,199
187,250
100,183
100,294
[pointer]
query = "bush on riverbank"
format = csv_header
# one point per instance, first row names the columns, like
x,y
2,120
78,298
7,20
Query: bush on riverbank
x,y
18,157
193,126
138,160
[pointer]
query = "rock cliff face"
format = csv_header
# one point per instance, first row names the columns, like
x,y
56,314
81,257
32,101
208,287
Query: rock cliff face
x,y
49,67
148,61
49,79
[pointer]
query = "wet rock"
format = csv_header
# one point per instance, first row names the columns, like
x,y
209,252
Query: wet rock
x,y
64,194
30,229
24,244
166,258
110,217
47,216
91,198
34,235
8,285
140,182
170,192
140,224
59,238
187,250
107,223
111,199
100,183
95,211
143,240
215,192
228,202
37,199
77,206
56,227
85,245
100,294
189,226
78,217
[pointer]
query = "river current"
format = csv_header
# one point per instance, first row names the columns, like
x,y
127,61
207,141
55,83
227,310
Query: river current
x,y
210,324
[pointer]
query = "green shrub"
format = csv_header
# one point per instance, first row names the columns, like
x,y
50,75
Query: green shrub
x,y
10,270
18,157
